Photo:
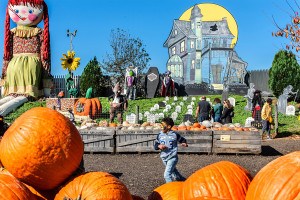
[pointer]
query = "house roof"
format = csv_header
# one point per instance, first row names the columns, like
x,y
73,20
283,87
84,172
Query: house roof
x,y
209,28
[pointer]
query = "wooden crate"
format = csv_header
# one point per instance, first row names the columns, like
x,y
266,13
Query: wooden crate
x,y
142,141
135,141
243,142
198,142
98,141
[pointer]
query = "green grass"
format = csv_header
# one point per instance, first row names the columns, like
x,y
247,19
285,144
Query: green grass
x,y
288,125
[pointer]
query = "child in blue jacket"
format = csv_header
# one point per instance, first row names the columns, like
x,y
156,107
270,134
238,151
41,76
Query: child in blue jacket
x,y
166,141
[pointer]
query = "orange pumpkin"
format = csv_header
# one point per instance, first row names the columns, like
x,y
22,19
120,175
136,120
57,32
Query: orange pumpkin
x,y
189,128
113,124
12,188
225,128
94,185
182,128
203,127
41,148
174,128
196,125
85,107
246,129
279,179
224,180
167,191
197,129
238,129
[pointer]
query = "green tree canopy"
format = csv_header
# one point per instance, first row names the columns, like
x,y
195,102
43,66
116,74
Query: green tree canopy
x,y
285,71
92,77
126,51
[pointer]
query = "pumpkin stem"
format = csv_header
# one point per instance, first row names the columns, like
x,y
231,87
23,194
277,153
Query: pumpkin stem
x,y
89,93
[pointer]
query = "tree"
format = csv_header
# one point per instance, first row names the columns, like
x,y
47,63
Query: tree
x,y
126,51
92,77
291,30
285,71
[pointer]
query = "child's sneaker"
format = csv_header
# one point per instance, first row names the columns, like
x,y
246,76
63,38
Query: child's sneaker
x,y
269,138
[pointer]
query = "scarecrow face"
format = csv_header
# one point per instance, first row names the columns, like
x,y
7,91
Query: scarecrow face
x,y
25,14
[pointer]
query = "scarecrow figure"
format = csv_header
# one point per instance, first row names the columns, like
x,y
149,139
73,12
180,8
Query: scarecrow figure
x,y
26,64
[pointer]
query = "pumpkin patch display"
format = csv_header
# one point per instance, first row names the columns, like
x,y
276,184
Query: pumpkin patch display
x,y
279,179
41,148
224,180
167,191
86,106
94,185
12,188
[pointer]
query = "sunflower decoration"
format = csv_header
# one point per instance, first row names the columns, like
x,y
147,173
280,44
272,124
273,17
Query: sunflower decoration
x,y
69,61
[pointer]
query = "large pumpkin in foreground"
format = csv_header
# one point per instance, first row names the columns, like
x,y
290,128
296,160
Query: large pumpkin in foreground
x,y
41,148
13,189
94,185
167,191
223,180
279,179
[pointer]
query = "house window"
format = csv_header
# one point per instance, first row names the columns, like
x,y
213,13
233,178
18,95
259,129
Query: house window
x,y
182,46
175,32
198,25
174,50
192,44
193,25
193,64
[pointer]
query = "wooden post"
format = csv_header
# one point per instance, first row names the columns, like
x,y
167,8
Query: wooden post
x,y
276,119
137,111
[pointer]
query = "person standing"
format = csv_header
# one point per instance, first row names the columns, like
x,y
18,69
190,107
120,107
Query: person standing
x,y
168,86
203,110
166,141
228,112
218,109
266,116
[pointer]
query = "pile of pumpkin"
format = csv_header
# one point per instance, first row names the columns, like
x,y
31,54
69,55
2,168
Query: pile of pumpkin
x,y
278,180
41,154
207,125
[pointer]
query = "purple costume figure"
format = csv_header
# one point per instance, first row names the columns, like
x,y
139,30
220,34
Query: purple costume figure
x,y
130,85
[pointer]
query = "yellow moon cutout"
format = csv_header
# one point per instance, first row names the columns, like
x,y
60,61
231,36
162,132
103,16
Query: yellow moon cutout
x,y
214,12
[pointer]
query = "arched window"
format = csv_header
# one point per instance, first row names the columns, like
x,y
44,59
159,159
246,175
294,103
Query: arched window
x,y
175,65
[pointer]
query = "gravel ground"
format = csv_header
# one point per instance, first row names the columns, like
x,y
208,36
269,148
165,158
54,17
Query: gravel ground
x,y
142,173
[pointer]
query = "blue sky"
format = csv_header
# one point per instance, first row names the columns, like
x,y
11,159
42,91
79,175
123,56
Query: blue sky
x,y
151,21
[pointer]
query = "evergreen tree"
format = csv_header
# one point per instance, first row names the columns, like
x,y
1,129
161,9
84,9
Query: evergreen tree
x,y
92,77
285,71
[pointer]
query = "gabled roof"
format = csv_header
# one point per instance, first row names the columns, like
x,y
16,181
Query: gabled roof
x,y
183,28
209,28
